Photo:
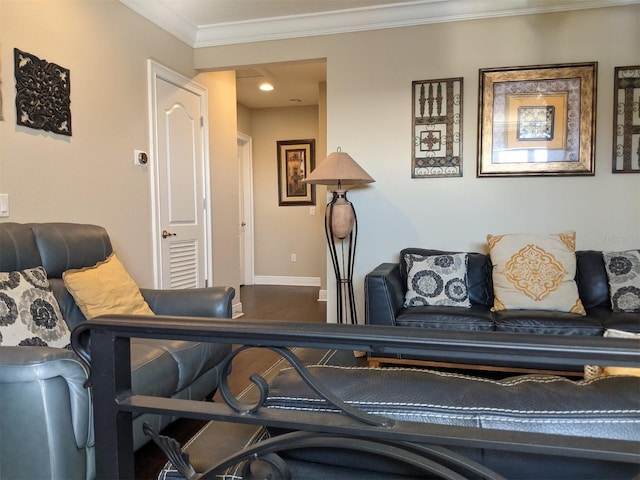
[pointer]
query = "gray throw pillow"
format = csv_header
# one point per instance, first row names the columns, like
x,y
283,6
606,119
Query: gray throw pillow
x,y
29,313
437,280
623,271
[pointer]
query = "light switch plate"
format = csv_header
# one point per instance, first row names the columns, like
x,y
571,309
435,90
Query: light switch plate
x,y
4,204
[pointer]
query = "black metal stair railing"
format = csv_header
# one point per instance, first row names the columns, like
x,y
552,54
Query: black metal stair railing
x,y
104,343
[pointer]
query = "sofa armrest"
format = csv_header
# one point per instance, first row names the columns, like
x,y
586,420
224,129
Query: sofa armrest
x,y
384,294
193,302
44,399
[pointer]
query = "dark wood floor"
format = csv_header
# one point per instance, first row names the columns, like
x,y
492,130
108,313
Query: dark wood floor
x,y
263,302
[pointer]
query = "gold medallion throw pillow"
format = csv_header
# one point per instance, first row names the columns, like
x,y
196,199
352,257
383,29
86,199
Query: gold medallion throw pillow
x,y
535,272
105,288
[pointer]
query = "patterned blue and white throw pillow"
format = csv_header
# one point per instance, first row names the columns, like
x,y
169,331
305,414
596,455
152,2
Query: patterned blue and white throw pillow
x,y
437,280
29,313
623,270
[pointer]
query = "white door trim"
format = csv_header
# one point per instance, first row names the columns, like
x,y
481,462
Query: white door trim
x,y
157,71
246,142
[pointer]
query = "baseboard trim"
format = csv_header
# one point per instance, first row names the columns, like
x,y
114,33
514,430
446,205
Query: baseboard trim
x,y
322,296
289,281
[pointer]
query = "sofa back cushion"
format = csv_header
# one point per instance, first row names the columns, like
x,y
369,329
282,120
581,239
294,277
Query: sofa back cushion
x,y
479,269
64,246
591,277
18,248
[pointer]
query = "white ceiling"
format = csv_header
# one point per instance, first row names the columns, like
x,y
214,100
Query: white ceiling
x,y
296,84
207,23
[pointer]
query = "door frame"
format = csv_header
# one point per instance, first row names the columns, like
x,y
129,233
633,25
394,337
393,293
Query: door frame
x,y
157,71
245,143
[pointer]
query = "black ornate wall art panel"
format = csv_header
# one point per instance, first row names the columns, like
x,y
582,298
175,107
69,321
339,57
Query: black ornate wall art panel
x,y
437,128
42,94
626,115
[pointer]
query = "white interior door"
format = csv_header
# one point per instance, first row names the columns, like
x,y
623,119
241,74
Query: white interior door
x,y
180,157
245,229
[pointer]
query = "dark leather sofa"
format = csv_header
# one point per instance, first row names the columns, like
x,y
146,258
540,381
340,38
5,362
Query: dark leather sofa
x,y
603,408
336,420
46,413
385,288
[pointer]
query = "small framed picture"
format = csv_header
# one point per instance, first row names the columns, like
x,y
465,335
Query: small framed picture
x,y
296,159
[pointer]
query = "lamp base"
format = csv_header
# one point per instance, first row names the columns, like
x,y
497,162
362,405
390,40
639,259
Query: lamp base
x,y
341,227
340,215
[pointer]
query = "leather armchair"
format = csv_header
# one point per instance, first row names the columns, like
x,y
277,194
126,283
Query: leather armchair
x,y
46,413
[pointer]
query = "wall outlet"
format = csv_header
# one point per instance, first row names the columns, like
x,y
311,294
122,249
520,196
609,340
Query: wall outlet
x,y
294,257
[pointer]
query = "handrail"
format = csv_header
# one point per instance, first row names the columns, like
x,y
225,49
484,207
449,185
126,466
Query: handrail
x,y
429,343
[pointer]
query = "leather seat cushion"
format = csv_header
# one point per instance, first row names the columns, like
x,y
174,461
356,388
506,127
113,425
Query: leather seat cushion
x,y
190,359
543,322
477,317
627,321
153,369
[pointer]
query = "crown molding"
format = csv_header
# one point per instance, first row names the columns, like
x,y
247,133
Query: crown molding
x,y
165,17
411,13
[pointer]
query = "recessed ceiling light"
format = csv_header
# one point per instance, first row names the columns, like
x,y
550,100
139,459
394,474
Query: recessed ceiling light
x,y
266,87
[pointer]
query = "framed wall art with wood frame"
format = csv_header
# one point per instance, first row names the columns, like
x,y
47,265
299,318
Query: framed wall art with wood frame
x,y
296,159
537,120
437,128
626,120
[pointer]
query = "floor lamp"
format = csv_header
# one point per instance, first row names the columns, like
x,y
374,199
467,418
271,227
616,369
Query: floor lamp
x,y
341,225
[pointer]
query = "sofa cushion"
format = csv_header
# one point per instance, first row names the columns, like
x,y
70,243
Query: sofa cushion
x,y
623,272
607,408
627,321
591,277
68,306
18,248
437,280
154,371
478,317
29,312
65,246
105,288
535,272
546,322
192,359
479,283
603,408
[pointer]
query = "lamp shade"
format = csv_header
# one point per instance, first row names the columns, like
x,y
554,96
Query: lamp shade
x,y
338,168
